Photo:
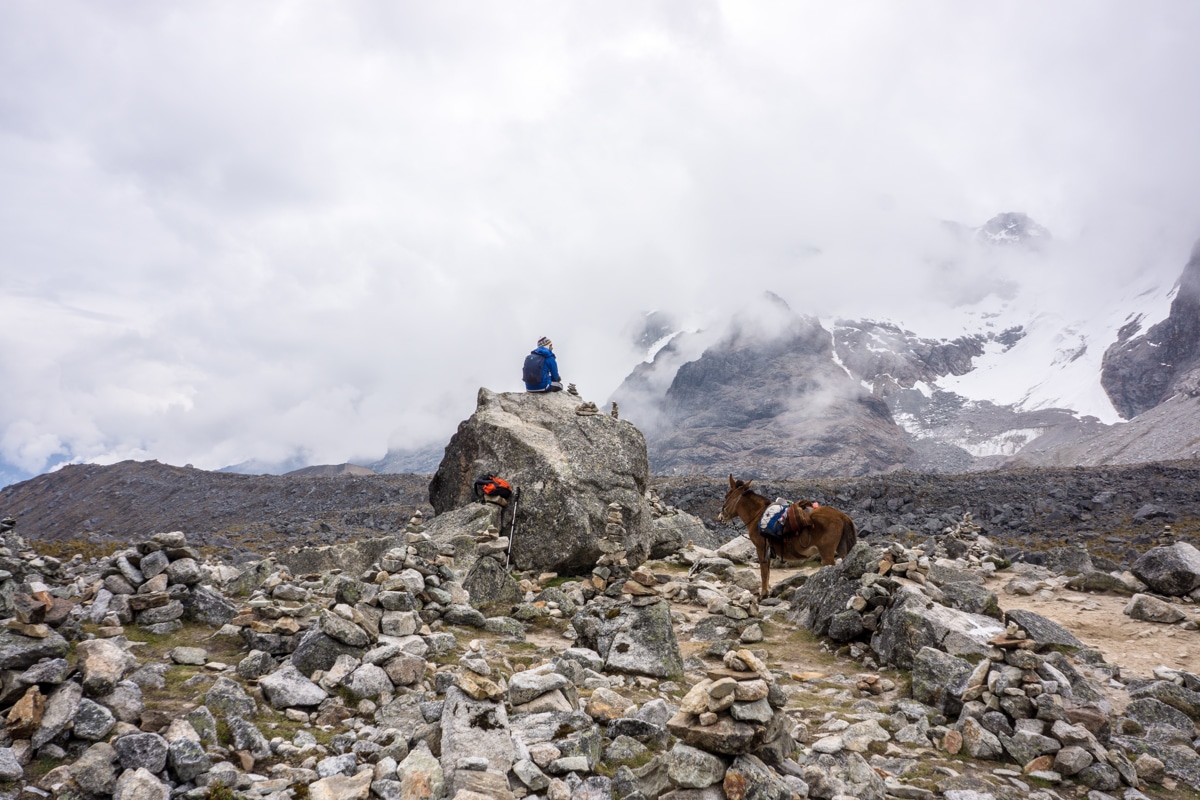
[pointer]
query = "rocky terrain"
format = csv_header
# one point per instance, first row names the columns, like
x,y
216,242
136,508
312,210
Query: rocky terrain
x,y
335,673
1118,511
446,659
1115,511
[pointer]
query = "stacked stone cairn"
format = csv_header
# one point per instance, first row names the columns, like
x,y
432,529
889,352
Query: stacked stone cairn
x,y
735,711
728,594
613,564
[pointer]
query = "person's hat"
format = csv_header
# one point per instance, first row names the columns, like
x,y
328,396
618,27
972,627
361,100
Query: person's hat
x,y
545,342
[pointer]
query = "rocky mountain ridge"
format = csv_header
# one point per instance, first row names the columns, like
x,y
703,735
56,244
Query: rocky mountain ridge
x,y
1142,372
782,394
124,502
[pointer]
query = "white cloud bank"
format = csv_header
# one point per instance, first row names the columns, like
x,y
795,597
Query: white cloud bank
x,y
233,231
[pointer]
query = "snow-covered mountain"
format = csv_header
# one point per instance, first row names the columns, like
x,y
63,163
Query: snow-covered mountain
x,y
1012,367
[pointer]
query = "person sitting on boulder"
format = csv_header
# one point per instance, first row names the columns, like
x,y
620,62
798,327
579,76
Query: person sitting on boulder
x,y
540,372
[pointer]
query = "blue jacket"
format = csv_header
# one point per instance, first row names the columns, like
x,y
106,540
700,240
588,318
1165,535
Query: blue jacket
x,y
549,371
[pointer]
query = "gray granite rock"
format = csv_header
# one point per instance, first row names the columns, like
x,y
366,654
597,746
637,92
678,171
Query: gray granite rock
x,y
140,784
287,687
142,750
227,698
1145,608
61,707
368,680
1045,632
692,768
637,640
95,771
20,652
1173,571
187,759
92,721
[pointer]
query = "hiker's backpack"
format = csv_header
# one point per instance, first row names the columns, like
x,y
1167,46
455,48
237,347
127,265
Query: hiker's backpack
x,y
531,373
491,486
771,523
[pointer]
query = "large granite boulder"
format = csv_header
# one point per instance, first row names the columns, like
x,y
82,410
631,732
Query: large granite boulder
x,y
569,468
914,622
826,593
632,638
1173,571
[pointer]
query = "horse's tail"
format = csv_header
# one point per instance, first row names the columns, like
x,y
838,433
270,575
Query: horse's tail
x,y
849,537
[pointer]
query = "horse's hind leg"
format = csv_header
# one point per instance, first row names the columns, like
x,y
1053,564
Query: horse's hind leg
x,y
764,568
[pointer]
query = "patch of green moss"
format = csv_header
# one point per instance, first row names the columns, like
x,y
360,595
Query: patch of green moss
x,y
219,791
38,768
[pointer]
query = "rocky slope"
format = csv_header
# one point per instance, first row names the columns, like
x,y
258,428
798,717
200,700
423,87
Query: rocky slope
x,y
1140,372
235,513
749,403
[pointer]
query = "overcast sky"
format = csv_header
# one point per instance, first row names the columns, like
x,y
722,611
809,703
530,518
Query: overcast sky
x,y
236,230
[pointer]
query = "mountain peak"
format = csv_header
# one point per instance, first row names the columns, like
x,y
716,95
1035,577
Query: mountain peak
x,y
1012,227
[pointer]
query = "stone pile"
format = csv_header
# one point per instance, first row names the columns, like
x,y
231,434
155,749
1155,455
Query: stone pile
x,y
998,686
1024,706
734,710
88,709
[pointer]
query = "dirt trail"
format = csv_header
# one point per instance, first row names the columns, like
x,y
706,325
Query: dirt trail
x,y
1097,621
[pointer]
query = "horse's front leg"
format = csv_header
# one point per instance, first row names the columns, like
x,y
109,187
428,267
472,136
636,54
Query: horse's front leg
x,y
764,569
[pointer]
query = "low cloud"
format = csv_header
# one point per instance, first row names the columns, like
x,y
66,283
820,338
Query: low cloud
x,y
233,232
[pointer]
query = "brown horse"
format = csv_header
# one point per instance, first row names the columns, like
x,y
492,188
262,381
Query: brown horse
x,y
823,530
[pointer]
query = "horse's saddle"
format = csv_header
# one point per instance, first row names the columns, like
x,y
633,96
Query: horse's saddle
x,y
783,519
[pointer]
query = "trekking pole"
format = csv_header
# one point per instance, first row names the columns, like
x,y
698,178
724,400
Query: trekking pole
x,y
513,530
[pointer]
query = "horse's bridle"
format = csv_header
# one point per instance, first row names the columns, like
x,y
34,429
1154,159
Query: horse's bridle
x,y
735,500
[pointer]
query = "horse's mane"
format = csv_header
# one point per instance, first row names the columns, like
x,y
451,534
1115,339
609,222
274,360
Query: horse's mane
x,y
753,493
748,492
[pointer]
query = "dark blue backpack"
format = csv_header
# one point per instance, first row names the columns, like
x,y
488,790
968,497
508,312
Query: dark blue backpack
x,y
535,364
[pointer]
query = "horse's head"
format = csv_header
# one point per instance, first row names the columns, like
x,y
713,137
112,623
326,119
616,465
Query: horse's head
x,y
737,490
